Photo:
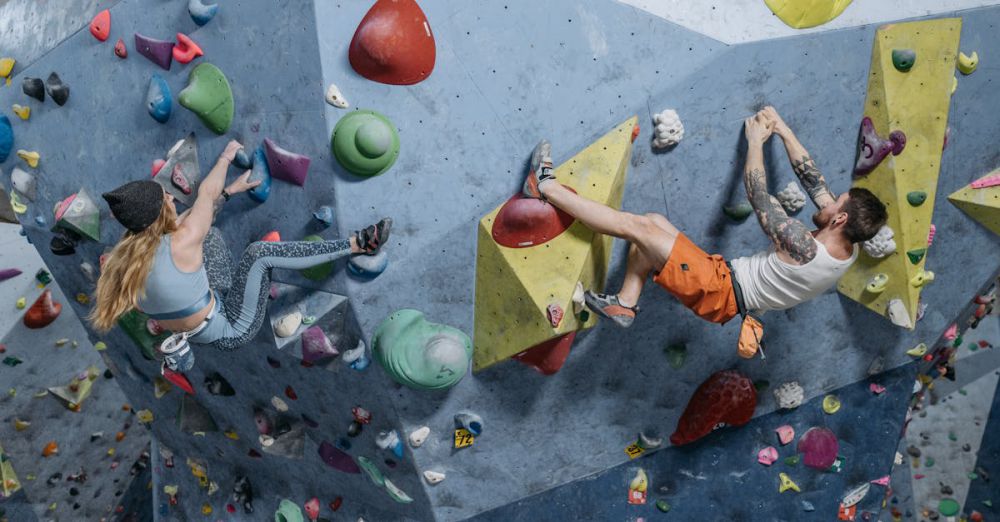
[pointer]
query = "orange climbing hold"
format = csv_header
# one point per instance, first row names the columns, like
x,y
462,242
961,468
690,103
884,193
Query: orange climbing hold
x,y
393,44
50,449
100,26
43,312
186,50
272,237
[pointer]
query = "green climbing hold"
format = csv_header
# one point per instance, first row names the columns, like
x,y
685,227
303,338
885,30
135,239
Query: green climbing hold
x,y
952,437
134,324
948,507
973,347
903,59
916,254
676,354
916,198
792,461
371,470
738,212
928,462
208,95
662,505
421,354
320,271
365,143
761,385
988,503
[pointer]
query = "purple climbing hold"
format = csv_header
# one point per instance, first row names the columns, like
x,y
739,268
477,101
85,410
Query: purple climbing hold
x,y
286,165
872,148
819,447
8,273
337,459
160,52
316,345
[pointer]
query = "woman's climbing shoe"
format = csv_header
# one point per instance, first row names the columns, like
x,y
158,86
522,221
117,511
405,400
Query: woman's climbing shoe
x,y
610,307
371,238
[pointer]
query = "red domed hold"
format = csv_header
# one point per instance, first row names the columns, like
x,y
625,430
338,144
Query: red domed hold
x,y
549,356
524,222
100,26
393,44
727,398
43,312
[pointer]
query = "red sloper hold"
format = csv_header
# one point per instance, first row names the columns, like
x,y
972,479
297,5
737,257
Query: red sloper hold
x,y
100,26
43,312
727,398
393,44
524,222
549,356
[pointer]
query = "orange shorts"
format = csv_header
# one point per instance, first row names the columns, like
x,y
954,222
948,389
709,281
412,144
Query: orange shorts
x,y
700,281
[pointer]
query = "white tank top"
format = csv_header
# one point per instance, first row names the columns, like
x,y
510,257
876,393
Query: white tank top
x,y
768,283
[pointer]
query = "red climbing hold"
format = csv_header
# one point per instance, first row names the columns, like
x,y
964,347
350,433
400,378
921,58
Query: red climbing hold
x,y
120,50
178,379
100,26
43,312
549,356
157,165
524,222
186,50
290,393
819,447
272,237
335,505
727,398
393,44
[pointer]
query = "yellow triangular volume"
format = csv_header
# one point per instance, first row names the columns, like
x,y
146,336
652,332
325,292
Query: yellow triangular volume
x,y
981,204
915,102
515,286
802,14
8,479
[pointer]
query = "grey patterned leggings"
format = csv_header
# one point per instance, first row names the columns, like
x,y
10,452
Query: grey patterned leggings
x,y
241,295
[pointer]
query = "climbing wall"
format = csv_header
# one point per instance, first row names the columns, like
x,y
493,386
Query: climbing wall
x,y
466,131
981,200
913,101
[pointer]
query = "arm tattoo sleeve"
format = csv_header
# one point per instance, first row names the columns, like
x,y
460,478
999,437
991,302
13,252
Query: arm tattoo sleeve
x,y
812,179
787,234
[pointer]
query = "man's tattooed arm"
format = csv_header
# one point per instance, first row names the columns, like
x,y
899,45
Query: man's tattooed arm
x,y
810,176
788,235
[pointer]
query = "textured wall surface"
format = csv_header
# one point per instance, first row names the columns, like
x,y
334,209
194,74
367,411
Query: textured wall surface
x,y
506,75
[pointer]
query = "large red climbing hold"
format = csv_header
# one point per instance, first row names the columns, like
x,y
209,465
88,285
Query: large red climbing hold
x,y
819,447
727,398
100,26
524,222
393,44
549,356
178,379
43,312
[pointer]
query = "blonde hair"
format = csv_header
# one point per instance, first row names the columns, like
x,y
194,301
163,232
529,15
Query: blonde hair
x,y
123,275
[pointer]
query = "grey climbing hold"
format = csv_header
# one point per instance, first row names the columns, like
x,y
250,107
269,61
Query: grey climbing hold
x,y
324,215
470,421
792,198
24,183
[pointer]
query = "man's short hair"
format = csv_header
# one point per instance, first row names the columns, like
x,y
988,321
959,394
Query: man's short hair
x,y
865,215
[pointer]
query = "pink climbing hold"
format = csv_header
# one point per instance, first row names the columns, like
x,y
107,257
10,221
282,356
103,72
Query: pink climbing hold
x,y
186,50
767,456
316,346
819,447
312,509
872,148
179,180
157,165
951,333
876,388
63,205
930,235
882,481
100,26
120,50
286,165
555,314
785,434
988,181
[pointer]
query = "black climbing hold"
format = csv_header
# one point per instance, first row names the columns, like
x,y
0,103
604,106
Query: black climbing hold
x,y
33,87
273,363
58,91
108,374
354,429
243,160
309,422
218,385
243,493
64,243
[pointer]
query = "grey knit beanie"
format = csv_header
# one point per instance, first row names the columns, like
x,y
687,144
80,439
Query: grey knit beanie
x,y
136,204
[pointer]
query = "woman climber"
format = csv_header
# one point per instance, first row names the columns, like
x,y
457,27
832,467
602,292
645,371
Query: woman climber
x,y
177,269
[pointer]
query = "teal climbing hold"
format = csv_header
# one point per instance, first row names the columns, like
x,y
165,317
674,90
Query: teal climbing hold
x,y
320,271
916,198
365,143
738,212
420,354
916,254
261,172
209,96
6,138
288,511
948,507
662,505
371,470
159,101
903,59
676,355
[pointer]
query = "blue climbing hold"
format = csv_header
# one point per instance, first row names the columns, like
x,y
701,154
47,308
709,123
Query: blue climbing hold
x,y
6,138
261,172
324,215
201,13
368,267
159,102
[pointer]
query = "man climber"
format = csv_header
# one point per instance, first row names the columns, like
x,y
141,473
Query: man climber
x,y
800,265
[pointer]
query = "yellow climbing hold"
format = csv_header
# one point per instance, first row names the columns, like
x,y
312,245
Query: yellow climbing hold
x,y
6,66
15,203
831,404
232,435
21,425
802,14
967,64
111,452
21,303
22,112
954,84
100,346
145,416
29,156
787,484
877,284
922,278
206,509
917,351
83,298
640,482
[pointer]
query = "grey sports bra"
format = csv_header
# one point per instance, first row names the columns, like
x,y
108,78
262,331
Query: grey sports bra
x,y
170,293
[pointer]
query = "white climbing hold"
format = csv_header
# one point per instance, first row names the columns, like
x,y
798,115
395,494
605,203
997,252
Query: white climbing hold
x,y
88,271
279,404
288,324
433,477
882,244
354,354
24,183
669,130
578,301
789,395
335,98
419,436
792,198
897,313
855,495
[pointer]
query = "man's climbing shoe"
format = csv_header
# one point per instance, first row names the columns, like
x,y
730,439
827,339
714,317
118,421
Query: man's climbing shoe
x,y
371,238
610,307
176,352
540,171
